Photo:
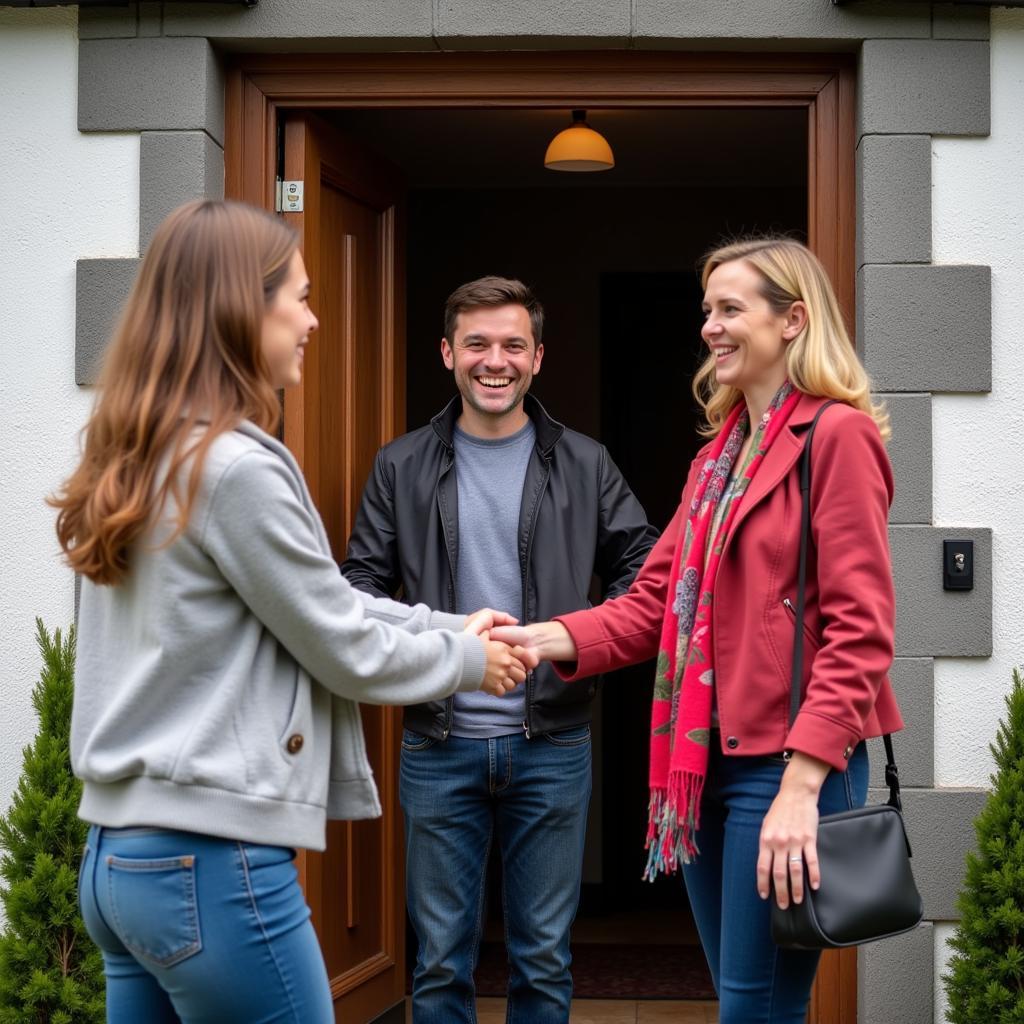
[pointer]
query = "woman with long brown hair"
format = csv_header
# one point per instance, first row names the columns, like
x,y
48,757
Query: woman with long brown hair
x,y
220,651
736,789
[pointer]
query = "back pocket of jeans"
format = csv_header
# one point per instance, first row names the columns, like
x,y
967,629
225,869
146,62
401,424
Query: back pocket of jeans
x,y
153,903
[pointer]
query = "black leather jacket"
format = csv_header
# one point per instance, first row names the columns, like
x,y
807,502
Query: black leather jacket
x,y
577,517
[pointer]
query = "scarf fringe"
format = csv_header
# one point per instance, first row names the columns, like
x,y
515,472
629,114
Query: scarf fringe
x,y
670,841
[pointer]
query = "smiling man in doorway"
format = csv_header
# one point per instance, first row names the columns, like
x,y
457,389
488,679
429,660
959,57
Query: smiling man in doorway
x,y
495,504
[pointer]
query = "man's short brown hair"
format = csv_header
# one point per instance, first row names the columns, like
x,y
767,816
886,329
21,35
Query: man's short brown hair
x,y
489,292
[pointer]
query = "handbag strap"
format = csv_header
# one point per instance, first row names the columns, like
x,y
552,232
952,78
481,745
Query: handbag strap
x,y
892,779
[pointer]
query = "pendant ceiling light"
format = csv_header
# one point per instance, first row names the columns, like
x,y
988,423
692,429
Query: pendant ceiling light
x,y
579,148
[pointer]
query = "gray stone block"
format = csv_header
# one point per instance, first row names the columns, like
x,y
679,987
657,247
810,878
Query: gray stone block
x,y
101,286
150,84
894,199
924,87
932,622
151,19
777,22
895,979
173,168
960,21
534,42
108,22
470,22
913,680
940,826
405,24
910,451
926,328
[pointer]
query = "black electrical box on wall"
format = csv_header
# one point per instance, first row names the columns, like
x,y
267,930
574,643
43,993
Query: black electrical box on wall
x,y
958,564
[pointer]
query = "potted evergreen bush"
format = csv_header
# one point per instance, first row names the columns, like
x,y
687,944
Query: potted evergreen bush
x,y
985,980
50,971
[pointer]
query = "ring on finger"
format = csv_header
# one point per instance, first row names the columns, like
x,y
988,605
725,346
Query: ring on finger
x,y
796,858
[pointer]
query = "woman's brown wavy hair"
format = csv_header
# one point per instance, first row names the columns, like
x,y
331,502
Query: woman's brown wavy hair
x,y
184,365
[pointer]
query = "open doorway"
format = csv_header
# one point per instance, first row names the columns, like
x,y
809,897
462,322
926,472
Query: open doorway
x,y
354,394
614,258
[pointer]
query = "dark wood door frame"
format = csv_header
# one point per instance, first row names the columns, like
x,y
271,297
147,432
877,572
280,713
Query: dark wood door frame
x,y
260,88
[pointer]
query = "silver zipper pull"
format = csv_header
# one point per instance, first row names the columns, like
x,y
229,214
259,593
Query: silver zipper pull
x,y
789,604
526,728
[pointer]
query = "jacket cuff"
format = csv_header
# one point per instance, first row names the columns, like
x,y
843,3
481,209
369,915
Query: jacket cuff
x,y
442,620
474,662
823,738
593,654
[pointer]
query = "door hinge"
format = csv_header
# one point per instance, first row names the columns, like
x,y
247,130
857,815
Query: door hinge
x,y
288,196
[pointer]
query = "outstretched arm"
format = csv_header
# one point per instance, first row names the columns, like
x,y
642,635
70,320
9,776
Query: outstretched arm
x,y
622,631
264,541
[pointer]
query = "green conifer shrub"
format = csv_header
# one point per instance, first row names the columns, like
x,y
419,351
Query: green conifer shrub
x,y
985,980
50,971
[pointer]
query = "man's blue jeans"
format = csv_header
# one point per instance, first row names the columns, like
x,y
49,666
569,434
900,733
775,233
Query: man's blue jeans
x,y
459,796
201,930
757,983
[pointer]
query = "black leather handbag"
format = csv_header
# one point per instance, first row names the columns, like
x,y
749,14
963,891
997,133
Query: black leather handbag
x,y
867,888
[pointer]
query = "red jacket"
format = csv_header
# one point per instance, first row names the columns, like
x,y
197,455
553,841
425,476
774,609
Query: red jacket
x,y
850,604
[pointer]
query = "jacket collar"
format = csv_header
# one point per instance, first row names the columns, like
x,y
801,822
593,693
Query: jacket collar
x,y
806,409
780,458
549,430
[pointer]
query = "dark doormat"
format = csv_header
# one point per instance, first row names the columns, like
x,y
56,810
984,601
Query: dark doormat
x,y
612,971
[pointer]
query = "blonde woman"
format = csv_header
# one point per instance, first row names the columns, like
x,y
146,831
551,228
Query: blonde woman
x,y
735,791
220,651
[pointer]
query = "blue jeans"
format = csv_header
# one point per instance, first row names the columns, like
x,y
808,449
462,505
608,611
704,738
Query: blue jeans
x,y
757,983
198,929
459,796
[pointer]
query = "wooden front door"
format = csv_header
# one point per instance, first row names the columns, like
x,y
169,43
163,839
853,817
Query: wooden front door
x,y
351,401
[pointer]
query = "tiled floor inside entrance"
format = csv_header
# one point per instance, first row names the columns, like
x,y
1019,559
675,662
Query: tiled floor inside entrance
x,y
612,1011
634,927
617,1011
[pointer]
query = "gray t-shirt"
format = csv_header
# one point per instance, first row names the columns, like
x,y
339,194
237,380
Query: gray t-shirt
x,y
490,474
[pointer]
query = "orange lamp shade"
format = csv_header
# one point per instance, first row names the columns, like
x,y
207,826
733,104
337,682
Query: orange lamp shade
x,y
579,148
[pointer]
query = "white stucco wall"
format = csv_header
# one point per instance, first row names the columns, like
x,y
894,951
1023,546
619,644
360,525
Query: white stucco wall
x,y
72,196
978,217
67,196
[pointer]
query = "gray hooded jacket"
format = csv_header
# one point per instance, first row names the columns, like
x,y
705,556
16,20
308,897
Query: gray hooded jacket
x,y
216,686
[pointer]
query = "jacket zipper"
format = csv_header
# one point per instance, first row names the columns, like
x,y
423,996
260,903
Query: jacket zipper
x,y
526,588
449,704
807,633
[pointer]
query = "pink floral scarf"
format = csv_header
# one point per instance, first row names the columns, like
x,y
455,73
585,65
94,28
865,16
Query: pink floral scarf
x,y
685,676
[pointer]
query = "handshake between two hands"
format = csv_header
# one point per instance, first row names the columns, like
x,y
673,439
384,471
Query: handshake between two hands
x,y
513,650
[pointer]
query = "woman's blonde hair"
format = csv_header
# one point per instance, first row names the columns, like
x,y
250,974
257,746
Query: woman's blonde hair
x,y
821,359
186,351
